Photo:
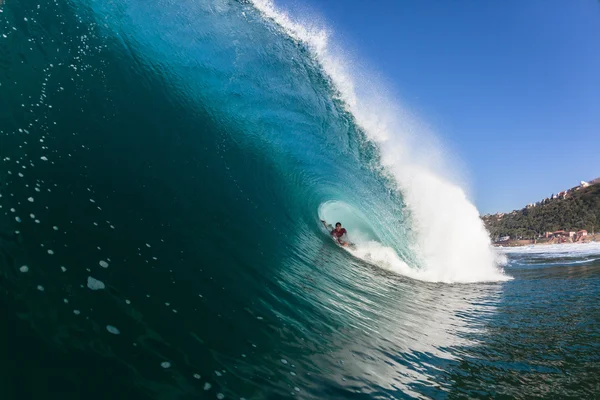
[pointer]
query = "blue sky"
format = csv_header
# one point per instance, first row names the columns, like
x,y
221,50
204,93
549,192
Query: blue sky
x,y
512,86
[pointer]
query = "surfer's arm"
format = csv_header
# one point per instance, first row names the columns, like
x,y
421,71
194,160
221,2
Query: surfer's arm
x,y
343,242
328,227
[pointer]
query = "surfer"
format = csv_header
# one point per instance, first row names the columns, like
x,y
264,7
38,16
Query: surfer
x,y
337,232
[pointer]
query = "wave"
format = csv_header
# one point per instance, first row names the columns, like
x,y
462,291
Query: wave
x,y
449,243
277,127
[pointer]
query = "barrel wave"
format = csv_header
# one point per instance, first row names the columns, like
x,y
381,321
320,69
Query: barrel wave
x,y
165,167
286,102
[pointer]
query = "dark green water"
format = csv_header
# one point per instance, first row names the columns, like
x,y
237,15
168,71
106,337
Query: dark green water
x,y
183,165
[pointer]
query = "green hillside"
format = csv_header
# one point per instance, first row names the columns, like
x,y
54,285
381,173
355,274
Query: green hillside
x,y
579,210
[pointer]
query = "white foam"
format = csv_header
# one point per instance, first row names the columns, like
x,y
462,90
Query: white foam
x,y
165,364
450,240
24,269
103,264
553,250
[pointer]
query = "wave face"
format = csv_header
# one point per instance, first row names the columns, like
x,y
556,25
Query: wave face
x,y
281,96
164,168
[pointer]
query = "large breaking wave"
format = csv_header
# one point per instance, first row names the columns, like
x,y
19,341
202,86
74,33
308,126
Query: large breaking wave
x,y
284,93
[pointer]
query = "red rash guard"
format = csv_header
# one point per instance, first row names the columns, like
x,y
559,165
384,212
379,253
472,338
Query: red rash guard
x,y
338,234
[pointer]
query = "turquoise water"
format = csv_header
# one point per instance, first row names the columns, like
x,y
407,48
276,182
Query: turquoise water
x,y
164,169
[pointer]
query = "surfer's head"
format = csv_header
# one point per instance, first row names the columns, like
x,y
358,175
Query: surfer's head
x,y
338,226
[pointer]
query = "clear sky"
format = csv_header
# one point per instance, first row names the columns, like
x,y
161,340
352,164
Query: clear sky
x,y
513,86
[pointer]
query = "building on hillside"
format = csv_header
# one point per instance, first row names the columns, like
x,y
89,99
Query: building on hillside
x,y
504,238
580,235
560,236
584,184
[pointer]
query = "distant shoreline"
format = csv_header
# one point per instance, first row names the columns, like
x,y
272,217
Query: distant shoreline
x,y
544,242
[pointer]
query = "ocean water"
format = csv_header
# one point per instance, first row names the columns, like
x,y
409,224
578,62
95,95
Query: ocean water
x,y
163,170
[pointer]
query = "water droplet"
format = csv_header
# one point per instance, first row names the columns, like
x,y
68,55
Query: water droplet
x,y
95,284
112,330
